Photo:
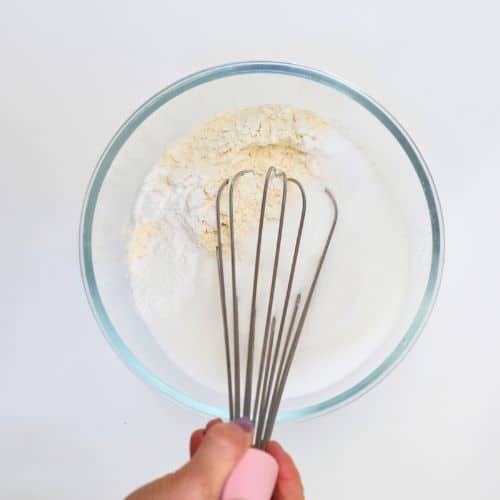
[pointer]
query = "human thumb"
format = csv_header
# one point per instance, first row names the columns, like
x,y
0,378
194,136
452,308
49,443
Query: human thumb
x,y
220,450
204,476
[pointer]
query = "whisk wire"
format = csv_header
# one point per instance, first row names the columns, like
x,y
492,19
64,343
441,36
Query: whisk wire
x,y
253,310
275,357
268,391
236,327
222,288
279,235
300,325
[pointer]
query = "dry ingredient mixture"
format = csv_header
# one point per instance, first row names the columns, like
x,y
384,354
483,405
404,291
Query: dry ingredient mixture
x,y
183,186
171,250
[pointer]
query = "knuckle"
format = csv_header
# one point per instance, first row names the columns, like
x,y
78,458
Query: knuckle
x,y
226,435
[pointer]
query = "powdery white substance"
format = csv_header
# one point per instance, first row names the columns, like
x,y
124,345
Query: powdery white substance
x,y
173,269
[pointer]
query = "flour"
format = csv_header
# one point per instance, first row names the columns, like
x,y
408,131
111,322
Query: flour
x,y
171,250
182,188
175,212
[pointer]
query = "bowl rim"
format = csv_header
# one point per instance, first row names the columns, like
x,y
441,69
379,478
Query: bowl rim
x,y
294,70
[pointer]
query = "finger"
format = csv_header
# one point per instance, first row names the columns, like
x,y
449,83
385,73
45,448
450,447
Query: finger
x,y
212,423
197,436
204,476
289,485
195,441
218,453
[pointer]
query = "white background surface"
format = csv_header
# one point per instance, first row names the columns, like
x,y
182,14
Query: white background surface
x,y
74,422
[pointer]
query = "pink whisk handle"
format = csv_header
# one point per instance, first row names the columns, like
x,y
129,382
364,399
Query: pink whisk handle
x,y
253,478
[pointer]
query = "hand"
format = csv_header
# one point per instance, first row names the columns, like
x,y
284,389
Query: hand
x,y
215,451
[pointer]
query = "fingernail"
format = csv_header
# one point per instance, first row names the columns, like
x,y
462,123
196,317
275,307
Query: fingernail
x,y
244,423
213,422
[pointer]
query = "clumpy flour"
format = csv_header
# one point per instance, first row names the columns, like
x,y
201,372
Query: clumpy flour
x,y
171,253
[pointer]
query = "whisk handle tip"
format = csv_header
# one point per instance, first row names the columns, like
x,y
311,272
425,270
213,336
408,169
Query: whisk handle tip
x,y
253,478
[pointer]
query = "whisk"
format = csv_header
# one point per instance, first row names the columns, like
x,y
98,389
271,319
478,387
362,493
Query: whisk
x,y
255,475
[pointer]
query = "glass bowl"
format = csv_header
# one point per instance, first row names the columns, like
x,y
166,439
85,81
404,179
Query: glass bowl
x,y
173,112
